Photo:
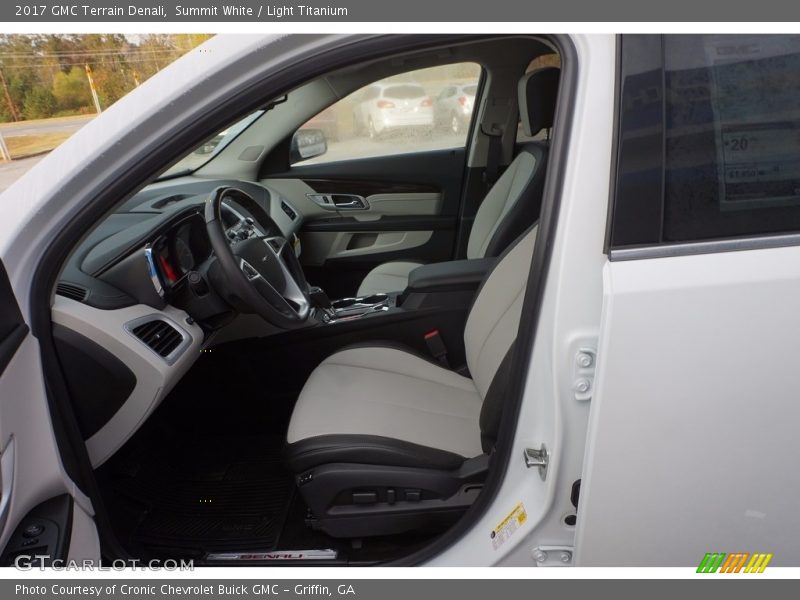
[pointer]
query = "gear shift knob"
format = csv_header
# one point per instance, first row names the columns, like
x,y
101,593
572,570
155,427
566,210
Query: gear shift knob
x,y
320,300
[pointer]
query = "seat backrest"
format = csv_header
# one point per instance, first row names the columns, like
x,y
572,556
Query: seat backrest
x,y
494,317
513,203
492,327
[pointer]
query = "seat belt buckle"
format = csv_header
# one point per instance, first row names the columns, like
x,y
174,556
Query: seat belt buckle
x,y
436,347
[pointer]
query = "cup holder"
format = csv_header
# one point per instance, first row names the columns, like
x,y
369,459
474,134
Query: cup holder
x,y
363,302
344,303
353,307
373,299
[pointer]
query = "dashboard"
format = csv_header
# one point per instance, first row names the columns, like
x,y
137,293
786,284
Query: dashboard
x,y
181,249
127,305
165,223
133,305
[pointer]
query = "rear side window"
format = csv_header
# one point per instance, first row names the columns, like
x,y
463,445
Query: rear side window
x,y
709,138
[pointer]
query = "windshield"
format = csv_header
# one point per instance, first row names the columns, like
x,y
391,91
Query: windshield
x,y
211,147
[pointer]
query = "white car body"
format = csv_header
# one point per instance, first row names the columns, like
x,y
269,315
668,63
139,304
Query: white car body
x,y
686,442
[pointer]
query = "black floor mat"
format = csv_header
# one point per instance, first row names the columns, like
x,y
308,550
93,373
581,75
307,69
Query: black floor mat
x,y
187,496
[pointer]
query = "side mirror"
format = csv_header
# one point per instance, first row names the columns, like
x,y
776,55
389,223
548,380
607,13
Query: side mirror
x,y
307,143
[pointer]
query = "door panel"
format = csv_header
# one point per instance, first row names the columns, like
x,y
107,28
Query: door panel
x,y
409,212
319,247
387,185
694,412
30,465
401,204
45,531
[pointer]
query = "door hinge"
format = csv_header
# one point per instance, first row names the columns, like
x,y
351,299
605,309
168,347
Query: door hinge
x,y
553,556
583,369
538,458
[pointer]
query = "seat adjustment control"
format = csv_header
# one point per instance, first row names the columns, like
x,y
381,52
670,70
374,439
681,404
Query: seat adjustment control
x,y
365,497
32,531
413,495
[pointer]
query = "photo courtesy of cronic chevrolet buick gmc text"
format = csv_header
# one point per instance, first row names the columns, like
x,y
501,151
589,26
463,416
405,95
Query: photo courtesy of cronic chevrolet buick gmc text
x,y
412,299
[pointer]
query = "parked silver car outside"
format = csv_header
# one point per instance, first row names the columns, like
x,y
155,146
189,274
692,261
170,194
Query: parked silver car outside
x,y
453,106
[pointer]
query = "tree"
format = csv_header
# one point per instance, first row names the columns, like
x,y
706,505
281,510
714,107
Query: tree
x,y
39,103
71,90
46,72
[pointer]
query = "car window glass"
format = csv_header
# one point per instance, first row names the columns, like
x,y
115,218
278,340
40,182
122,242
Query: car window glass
x,y
404,92
211,147
422,110
709,144
732,160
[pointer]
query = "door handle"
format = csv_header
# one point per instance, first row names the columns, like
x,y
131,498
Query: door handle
x,y
340,201
354,204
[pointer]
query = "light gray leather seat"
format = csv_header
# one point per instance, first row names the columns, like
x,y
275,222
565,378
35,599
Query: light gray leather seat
x,y
512,205
416,420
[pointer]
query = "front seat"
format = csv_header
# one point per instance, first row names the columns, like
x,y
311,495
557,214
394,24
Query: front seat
x,y
513,203
384,441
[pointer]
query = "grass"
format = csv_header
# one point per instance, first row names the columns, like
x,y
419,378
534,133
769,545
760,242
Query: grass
x,y
29,145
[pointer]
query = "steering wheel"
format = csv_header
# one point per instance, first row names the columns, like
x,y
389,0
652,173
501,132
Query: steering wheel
x,y
259,265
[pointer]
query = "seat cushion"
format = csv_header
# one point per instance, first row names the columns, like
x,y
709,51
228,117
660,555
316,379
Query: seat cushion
x,y
388,277
383,405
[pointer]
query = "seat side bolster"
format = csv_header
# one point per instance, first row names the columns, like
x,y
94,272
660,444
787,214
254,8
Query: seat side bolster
x,y
524,210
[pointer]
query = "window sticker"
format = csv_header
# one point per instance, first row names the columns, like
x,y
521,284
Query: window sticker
x,y
754,86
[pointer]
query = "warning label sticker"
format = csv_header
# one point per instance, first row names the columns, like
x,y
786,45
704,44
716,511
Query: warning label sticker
x,y
506,528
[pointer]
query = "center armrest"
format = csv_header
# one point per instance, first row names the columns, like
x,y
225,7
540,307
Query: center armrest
x,y
451,276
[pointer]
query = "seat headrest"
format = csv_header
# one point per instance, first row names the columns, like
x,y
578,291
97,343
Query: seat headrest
x,y
537,92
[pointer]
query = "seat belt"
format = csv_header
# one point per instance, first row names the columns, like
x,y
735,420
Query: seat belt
x,y
493,156
433,339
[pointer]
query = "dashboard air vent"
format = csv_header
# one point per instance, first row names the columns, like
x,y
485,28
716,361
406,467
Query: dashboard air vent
x,y
162,337
290,212
72,291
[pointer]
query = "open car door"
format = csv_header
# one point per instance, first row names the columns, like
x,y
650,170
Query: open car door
x,y
43,517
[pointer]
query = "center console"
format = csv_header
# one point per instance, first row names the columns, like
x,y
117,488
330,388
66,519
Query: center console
x,y
427,319
355,308
450,285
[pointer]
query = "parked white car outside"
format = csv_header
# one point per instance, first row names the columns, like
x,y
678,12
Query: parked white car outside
x,y
387,107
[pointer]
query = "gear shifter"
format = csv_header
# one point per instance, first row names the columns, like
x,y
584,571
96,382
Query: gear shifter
x,y
320,300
